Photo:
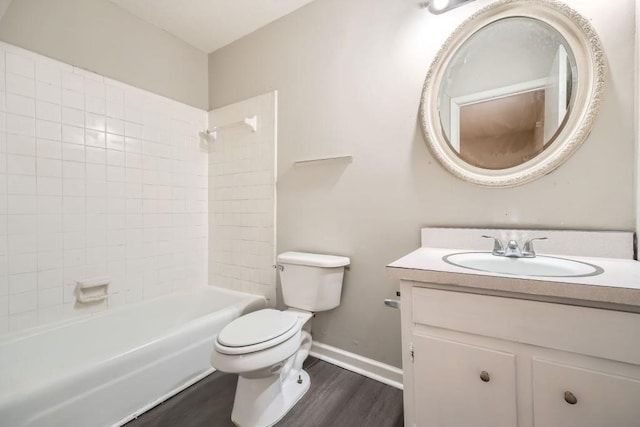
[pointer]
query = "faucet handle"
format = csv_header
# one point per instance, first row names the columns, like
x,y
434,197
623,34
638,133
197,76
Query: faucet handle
x,y
498,249
527,249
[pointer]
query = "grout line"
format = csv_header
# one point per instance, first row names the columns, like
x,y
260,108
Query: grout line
x,y
35,158
6,189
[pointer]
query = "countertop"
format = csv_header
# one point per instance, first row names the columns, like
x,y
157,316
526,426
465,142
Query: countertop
x,y
617,288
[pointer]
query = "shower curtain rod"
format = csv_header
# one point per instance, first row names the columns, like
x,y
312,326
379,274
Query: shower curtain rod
x,y
252,122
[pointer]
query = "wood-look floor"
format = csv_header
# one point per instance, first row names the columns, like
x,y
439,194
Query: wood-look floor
x,y
337,398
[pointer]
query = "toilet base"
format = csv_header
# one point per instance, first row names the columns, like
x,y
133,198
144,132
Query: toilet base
x,y
262,402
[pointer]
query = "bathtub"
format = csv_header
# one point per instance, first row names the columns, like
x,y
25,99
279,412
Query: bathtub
x,y
108,368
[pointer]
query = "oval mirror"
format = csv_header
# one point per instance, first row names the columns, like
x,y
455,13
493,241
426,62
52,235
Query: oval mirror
x,y
513,92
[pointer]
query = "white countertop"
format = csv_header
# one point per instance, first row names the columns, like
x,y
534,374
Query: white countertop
x,y
618,287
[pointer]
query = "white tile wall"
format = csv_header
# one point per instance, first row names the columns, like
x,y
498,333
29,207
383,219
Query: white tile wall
x,y
97,178
242,198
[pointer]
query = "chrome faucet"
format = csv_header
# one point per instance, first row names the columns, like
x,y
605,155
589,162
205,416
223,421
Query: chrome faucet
x,y
498,249
512,249
527,248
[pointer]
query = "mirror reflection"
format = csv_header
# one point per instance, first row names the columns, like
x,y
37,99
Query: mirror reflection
x,y
507,92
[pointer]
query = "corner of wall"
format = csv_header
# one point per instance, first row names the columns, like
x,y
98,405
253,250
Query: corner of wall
x,y
637,121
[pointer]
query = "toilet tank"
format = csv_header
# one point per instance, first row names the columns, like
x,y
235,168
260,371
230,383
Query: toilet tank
x,y
311,282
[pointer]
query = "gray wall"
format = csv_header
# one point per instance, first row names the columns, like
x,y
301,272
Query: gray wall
x,y
349,77
101,37
637,116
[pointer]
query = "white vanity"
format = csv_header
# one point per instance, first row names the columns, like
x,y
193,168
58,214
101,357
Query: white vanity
x,y
502,350
501,337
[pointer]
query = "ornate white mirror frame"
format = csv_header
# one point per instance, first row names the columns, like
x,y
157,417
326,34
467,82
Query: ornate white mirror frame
x,y
591,70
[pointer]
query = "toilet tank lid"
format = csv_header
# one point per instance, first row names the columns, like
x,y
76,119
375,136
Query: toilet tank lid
x,y
313,260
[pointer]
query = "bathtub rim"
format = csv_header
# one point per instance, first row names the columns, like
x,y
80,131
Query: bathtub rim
x,y
11,336
239,305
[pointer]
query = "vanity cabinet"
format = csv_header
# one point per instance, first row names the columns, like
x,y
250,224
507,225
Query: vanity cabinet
x,y
483,360
463,385
589,398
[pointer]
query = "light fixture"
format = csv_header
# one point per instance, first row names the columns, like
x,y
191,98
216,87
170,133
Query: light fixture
x,y
440,6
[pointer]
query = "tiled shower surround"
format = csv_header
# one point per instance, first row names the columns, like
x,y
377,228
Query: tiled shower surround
x,y
242,198
97,178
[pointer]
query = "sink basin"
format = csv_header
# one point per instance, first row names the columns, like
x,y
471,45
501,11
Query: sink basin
x,y
539,266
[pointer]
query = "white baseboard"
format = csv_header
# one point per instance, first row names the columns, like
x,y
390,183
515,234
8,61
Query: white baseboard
x,y
369,368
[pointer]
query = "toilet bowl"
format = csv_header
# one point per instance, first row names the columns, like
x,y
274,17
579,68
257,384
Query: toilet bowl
x,y
267,348
258,341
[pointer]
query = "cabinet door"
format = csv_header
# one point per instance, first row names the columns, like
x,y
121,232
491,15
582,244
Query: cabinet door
x,y
460,385
596,399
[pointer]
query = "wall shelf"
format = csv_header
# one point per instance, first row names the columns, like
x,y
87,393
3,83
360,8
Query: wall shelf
x,y
309,162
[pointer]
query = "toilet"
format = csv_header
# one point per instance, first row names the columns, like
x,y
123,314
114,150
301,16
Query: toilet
x,y
266,348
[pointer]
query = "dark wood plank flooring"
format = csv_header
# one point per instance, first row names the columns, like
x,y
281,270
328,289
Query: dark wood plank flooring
x,y
337,398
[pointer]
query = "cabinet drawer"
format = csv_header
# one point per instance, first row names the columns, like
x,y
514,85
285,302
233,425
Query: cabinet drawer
x,y
601,333
597,399
462,385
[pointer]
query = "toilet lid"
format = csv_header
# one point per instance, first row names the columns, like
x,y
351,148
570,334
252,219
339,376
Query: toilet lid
x,y
257,327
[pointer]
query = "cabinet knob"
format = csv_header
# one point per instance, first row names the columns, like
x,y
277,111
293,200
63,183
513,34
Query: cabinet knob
x,y
484,376
570,398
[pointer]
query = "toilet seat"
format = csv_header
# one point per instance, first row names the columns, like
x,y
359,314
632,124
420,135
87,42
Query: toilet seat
x,y
257,331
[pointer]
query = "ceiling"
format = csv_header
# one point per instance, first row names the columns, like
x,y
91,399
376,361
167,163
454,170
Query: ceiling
x,y
210,24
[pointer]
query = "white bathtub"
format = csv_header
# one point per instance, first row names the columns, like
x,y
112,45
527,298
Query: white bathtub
x,y
108,368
